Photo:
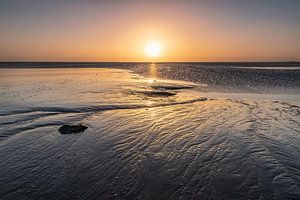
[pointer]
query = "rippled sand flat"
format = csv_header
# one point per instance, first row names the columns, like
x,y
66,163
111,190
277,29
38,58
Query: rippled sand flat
x,y
139,145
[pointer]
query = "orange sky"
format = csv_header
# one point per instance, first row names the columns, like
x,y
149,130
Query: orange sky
x,y
119,31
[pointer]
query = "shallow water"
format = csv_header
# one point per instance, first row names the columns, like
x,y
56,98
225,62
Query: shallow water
x,y
195,144
247,77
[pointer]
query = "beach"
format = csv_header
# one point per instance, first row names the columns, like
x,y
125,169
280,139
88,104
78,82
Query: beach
x,y
150,134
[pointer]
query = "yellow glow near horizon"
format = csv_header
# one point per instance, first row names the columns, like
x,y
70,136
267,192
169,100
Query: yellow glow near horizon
x,y
153,49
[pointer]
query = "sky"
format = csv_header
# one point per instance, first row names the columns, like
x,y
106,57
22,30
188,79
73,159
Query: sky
x,y
119,30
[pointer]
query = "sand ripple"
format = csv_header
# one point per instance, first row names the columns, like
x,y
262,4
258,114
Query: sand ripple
x,y
218,148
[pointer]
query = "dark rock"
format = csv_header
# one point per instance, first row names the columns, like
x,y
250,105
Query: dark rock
x,y
69,129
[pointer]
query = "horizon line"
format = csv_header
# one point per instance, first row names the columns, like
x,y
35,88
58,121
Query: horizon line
x,y
45,61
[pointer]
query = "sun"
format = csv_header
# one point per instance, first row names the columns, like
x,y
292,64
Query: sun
x,y
153,49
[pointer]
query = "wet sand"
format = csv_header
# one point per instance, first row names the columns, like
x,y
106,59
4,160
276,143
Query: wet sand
x,y
140,146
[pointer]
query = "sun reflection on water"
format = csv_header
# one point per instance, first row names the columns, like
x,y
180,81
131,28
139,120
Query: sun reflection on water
x,y
153,70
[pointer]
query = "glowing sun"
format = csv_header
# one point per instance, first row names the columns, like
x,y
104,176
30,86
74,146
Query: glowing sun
x,y
153,49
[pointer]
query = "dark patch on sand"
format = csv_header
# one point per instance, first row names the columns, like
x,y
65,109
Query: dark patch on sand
x,y
69,129
172,87
158,93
